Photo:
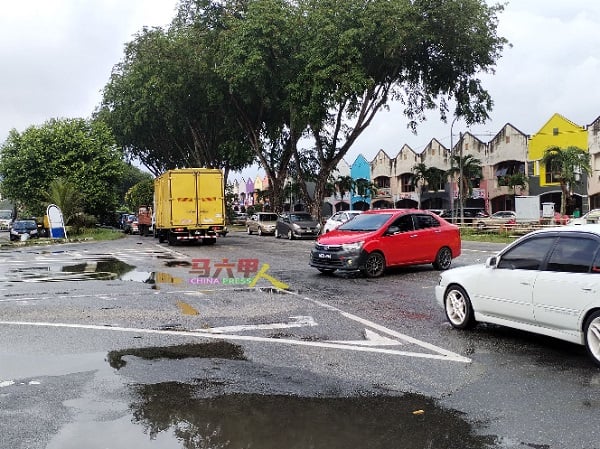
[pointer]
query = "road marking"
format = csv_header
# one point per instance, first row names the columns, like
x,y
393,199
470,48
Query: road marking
x,y
390,332
186,308
296,321
371,339
442,355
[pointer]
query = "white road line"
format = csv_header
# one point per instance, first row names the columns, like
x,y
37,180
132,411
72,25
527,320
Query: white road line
x,y
296,321
371,339
284,341
387,331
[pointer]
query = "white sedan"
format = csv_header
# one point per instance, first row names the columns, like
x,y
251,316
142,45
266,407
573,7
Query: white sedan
x,y
547,282
339,218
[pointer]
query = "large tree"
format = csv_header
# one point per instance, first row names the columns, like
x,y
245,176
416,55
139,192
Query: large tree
x,y
566,165
167,106
78,151
301,79
358,56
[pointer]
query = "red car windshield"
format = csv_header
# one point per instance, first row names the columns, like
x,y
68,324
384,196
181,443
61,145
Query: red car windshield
x,y
366,222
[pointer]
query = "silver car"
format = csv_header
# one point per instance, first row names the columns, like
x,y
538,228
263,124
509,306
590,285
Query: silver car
x,y
547,282
262,223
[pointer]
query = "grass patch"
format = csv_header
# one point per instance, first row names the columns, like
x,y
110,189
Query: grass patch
x,y
96,234
496,236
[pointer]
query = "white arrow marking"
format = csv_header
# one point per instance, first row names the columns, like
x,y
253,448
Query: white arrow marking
x,y
296,321
371,339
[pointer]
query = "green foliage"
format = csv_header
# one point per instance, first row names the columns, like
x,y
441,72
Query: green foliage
x,y
67,197
166,105
81,222
471,170
79,151
132,175
140,194
229,76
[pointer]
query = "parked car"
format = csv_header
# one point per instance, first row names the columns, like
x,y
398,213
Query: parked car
x,y
377,239
469,214
23,229
130,225
497,219
338,219
295,225
6,219
547,282
262,223
239,218
592,216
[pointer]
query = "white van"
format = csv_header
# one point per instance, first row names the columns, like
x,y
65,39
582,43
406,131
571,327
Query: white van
x,y
6,219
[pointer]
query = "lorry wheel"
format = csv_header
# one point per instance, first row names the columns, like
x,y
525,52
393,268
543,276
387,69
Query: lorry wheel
x,y
209,241
161,237
172,239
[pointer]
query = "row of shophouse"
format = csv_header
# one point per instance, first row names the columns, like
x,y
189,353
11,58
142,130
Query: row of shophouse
x,y
509,152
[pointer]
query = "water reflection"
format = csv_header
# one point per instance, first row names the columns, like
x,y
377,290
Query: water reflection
x,y
289,422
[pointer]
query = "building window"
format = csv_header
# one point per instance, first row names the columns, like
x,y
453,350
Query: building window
x,y
382,182
552,176
406,182
555,132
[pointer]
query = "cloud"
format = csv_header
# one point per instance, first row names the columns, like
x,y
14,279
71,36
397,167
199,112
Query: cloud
x,y
57,56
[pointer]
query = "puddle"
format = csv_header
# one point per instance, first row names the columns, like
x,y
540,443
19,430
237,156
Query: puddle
x,y
279,421
178,263
213,349
103,269
107,409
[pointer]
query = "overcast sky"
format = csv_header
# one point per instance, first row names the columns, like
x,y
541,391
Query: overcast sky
x,y
56,56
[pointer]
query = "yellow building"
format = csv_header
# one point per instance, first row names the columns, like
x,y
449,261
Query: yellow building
x,y
560,132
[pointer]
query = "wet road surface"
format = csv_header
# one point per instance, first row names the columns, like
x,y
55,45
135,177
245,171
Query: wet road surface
x,y
114,345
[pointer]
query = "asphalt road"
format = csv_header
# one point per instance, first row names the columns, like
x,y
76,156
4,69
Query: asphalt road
x,y
134,344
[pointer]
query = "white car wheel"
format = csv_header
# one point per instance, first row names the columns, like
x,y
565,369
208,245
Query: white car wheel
x,y
592,336
459,310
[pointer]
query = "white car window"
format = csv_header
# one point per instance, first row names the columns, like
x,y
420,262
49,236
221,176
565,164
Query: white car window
x,y
528,255
573,255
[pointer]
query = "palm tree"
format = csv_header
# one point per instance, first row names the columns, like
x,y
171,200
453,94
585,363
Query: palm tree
x,y
515,180
66,196
344,184
566,165
471,169
420,177
436,177
364,188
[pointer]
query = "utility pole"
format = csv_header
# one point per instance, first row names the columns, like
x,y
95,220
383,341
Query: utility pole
x,y
460,181
452,166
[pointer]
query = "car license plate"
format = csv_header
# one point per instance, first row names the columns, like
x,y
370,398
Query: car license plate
x,y
324,256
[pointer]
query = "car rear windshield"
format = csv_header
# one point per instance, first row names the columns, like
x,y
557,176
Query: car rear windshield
x,y
366,222
300,217
25,225
268,217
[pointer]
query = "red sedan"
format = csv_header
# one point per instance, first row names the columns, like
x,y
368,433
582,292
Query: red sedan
x,y
377,239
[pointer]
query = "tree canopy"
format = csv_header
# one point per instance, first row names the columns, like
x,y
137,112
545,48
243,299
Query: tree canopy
x,y
82,153
297,82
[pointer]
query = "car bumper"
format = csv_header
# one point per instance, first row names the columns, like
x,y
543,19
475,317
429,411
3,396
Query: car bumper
x,y
336,260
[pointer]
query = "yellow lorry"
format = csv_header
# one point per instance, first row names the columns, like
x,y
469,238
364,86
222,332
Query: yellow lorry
x,y
189,205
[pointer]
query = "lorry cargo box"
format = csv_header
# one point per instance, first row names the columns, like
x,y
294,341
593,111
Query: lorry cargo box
x,y
189,205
